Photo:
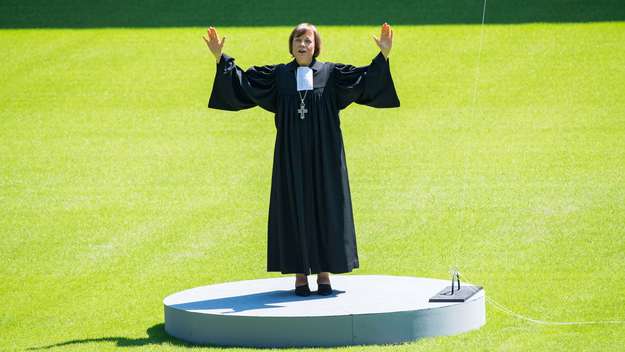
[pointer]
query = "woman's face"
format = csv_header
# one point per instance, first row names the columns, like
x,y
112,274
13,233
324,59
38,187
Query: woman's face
x,y
304,47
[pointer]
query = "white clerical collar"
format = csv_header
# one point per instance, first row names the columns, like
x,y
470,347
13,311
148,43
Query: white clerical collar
x,y
304,78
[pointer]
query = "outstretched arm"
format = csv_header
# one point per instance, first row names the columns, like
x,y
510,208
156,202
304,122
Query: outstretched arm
x,y
214,44
386,40
368,85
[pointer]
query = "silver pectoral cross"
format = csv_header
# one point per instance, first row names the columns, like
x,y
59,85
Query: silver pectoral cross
x,y
302,110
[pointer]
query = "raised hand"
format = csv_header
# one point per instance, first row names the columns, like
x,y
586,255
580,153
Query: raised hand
x,y
214,44
386,40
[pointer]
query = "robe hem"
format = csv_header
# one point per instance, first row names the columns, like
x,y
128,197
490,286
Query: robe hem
x,y
312,272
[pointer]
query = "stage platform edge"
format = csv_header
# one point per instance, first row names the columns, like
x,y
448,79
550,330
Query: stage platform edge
x,y
364,310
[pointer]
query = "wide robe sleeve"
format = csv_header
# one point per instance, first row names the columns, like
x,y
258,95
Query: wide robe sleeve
x,y
235,89
368,85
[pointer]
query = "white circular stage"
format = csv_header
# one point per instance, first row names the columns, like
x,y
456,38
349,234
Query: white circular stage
x,y
364,309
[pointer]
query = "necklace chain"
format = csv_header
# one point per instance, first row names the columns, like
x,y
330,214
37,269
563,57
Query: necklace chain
x,y
300,96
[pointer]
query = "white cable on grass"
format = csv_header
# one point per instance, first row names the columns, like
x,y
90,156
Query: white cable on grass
x,y
544,322
508,311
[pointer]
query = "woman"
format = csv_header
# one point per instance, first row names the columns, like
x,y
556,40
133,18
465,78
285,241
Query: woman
x,y
311,226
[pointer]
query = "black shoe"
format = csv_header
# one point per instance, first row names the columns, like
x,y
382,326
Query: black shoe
x,y
303,290
324,289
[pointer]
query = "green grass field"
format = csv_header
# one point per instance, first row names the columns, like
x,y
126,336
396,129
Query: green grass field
x,y
118,185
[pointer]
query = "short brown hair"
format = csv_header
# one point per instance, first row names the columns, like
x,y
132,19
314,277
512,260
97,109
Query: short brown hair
x,y
301,29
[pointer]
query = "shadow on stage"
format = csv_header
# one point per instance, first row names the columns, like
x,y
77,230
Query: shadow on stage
x,y
201,13
262,300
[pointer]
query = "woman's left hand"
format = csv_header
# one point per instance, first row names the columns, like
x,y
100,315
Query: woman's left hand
x,y
386,40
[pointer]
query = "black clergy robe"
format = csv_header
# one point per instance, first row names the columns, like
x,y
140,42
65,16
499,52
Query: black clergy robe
x,y
310,223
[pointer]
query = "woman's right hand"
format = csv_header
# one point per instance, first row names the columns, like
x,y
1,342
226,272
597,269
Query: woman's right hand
x,y
214,44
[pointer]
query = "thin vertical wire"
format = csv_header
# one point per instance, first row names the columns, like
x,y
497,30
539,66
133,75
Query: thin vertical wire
x,y
472,115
